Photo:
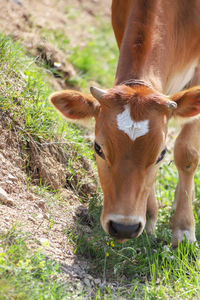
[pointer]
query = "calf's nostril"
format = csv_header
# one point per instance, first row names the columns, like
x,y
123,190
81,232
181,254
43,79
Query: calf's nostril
x,y
113,228
119,230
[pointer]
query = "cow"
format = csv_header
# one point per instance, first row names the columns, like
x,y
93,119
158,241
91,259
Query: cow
x,y
157,78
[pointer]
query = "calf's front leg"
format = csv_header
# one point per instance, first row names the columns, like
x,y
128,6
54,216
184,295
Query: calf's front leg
x,y
152,212
186,157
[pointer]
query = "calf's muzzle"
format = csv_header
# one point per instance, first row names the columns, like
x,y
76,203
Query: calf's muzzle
x,y
123,231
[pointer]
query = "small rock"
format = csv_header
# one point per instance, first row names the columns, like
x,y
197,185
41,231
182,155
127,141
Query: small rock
x,y
11,177
40,216
9,182
19,2
4,198
86,281
81,211
30,197
47,217
90,277
97,281
32,219
3,194
41,204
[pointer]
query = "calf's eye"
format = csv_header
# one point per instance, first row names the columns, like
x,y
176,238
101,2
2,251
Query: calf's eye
x,y
98,150
162,154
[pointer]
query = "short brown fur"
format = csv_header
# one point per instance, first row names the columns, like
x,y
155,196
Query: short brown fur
x,y
157,78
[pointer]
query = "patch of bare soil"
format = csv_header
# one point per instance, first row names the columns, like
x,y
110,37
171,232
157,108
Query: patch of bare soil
x,y
27,20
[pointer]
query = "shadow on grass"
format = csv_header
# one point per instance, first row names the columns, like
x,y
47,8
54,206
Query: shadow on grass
x,y
138,267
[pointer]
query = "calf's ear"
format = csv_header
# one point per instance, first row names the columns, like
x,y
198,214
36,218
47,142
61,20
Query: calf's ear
x,y
188,102
75,105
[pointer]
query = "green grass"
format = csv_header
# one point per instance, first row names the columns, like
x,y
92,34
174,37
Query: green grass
x,y
24,92
26,274
56,37
146,267
97,60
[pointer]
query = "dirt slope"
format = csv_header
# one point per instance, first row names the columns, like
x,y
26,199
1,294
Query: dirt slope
x,y
45,217
42,215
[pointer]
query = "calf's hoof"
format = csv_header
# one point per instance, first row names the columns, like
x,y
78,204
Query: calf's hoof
x,y
179,235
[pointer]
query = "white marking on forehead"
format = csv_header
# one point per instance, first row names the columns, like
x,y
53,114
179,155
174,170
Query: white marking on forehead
x,y
129,126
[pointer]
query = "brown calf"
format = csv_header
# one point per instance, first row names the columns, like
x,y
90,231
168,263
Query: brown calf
x,y
156,79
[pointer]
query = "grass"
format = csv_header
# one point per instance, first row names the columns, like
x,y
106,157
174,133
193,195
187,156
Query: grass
x,y
144,268
24,92
56,37
147,267
25,274
96,61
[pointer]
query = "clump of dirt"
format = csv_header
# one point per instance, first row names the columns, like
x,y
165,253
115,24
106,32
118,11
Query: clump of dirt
x,y
48,163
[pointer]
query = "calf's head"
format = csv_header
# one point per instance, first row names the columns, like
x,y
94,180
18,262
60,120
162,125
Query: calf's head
x,y
130,133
